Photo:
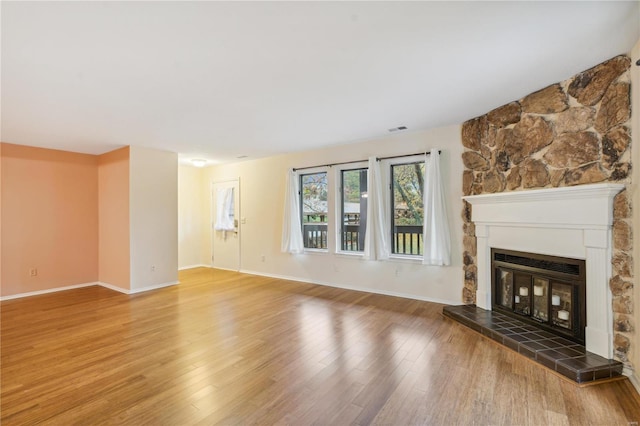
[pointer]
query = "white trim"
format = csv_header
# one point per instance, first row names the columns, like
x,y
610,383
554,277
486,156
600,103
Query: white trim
x,y
405,258
599,190
225,269
96,283
113,287
201,265
313,251
576,207
153,287
632,378
347,287
350,254
49,290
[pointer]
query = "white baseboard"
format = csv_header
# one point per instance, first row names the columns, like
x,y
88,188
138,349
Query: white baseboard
x,y
152,287
102,284
49,290
202,265
113,287
138,290
347,287
633,378
225,269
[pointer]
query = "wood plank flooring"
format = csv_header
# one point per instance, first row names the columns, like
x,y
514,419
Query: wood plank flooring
x,y
227,348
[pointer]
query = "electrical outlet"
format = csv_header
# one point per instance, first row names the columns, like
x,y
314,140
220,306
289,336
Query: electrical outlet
x,y
153,268
33,272
263,258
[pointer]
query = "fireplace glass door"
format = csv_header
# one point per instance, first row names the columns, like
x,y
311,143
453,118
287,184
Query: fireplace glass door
x,y
543,290
540,299
523,294
561,302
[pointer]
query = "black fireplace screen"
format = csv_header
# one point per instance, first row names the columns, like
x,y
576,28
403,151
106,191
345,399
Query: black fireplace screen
x,y
547,291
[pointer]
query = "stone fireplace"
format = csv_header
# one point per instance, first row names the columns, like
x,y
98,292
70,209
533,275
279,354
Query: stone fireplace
x,y
573,133
570,222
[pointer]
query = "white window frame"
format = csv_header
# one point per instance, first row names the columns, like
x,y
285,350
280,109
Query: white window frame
x,y
386,170
338,205
330,221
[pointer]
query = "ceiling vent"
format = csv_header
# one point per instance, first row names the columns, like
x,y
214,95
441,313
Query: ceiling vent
x,y
397,129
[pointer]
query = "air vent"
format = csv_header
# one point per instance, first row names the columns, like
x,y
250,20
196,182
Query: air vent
x,y
397,129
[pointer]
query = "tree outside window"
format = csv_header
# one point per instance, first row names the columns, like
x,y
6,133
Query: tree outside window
x,y
354,209
313,200
408,209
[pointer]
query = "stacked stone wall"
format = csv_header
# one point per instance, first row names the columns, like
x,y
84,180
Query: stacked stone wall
x,y
570,133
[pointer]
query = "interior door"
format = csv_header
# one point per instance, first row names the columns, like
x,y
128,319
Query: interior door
x,y
226,242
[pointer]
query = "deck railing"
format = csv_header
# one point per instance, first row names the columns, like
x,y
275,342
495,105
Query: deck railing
x,y
407,239
315,235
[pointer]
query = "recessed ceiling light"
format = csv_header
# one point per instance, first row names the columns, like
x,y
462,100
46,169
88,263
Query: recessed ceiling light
x,y
199,162
397,129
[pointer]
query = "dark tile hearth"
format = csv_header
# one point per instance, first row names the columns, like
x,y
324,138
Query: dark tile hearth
x,y
563,356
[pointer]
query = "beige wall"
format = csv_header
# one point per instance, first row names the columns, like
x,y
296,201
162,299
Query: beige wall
x,y
635,197
113,210
0,219
153,209
262,200
191,224
49,219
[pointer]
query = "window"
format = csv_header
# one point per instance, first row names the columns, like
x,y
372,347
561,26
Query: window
x,y
313,199
353,202
408,209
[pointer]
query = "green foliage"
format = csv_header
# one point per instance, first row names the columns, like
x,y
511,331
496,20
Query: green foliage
x,y
408,187
351,185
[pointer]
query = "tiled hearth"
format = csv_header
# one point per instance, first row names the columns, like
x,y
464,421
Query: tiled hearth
x,y
560,355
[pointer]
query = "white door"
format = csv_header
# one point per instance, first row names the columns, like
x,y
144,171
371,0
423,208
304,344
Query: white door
x,y
226,242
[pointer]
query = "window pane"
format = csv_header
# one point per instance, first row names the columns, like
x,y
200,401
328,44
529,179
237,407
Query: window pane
x,y
313,198
354,209
407,188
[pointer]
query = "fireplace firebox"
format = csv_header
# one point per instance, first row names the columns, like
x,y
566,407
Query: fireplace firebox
x,y
547,291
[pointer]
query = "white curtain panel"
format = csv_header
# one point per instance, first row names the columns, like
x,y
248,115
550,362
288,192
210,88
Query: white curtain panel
x,y
291,227
437,237
224,210
376,241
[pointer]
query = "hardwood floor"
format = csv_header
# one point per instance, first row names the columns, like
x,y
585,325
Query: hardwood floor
x,y
228,348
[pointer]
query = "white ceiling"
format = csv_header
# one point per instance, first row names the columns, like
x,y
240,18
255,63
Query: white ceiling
x,y
224,79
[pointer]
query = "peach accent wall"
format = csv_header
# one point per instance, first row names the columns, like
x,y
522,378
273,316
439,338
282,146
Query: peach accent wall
x,y
49,219
113,213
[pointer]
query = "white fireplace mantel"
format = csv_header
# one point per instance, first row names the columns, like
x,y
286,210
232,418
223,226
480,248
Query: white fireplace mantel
x,y
570,222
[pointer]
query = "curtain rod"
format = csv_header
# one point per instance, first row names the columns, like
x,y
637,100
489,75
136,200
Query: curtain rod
x,y
361,161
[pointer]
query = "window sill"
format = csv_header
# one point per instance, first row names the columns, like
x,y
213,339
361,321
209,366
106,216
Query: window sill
x,y
405,259
316,251
356,254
